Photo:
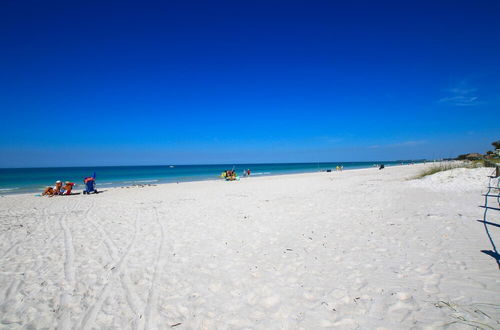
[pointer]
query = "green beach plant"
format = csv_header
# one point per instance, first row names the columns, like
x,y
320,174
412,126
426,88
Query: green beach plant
x,y
445,166
472,315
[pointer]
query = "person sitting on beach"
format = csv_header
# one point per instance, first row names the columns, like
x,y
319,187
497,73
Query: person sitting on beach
x,y
51,191
66,190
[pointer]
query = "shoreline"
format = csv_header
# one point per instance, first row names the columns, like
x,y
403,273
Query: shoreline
x,y
155,182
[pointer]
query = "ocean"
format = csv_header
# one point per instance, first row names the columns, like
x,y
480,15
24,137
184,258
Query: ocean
x,y
29,180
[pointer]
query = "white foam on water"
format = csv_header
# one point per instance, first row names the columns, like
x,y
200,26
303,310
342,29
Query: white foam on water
x,y
8,189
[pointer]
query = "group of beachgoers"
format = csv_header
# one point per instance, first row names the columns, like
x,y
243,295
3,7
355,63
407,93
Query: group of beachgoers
x,y
59,189
231,175
339,168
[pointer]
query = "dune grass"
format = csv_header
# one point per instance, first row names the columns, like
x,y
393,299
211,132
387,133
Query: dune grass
x,y
445,166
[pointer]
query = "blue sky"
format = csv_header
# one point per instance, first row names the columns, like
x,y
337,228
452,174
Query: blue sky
x,y
122,82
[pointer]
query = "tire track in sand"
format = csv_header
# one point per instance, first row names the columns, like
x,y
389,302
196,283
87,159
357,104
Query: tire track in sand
x,y
88,321
14,293
29,232
52,236
69,274
150,318
131,296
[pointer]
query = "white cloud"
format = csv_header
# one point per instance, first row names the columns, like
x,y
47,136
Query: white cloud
x,y
399,144
461,96
409,143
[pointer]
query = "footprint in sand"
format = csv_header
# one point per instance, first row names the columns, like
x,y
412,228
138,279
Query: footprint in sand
x,y
251,299
403,307
431,283
346,324
423,270
215,287
271,301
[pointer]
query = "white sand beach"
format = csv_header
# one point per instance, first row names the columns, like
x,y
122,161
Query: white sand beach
x,y
359,249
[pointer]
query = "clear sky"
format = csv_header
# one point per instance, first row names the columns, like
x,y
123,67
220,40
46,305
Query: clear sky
x,y
183,82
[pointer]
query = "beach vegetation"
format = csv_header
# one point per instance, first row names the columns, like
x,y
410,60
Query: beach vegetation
x,y
446,166
477,316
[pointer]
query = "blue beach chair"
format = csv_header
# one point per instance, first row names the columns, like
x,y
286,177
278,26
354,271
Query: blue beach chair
x,y
89,185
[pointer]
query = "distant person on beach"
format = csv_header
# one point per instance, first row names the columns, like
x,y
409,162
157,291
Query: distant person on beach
x,y
248,172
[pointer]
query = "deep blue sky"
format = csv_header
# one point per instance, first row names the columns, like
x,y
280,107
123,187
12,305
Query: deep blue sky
x,y
108,83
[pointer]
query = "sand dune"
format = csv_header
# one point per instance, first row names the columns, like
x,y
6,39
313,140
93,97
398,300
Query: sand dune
x,y
353,249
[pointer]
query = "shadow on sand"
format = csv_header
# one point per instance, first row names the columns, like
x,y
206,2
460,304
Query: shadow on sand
x,y
494,252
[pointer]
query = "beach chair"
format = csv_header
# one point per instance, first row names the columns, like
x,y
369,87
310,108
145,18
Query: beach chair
x,y
89,185
69,187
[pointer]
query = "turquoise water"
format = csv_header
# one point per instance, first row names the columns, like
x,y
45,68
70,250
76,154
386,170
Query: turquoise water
x,y
27,180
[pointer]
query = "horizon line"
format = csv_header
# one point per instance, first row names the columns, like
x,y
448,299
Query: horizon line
x,y
215,164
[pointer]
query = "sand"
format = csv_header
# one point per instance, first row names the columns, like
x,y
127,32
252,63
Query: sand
x,y
355,249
